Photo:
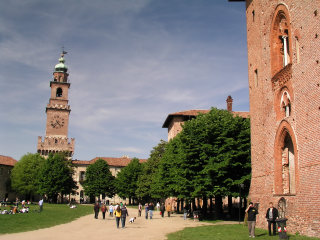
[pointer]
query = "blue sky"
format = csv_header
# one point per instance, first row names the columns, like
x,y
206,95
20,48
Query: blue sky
x,y
131,63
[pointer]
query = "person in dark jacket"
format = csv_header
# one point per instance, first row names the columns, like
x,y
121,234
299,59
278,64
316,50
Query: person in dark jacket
x,y
96,210
124,214
162,209
252,212
271,216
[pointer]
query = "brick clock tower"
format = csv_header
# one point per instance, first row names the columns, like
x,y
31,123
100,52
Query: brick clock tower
x,y
58,111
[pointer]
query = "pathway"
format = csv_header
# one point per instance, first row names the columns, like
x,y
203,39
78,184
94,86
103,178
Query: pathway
x,y
88,228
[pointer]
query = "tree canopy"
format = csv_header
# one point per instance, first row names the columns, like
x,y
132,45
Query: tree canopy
x,y
99,180
127,179
55,177
147,187
25,174
209,157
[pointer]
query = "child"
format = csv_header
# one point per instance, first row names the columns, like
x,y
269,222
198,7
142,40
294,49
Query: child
x,y
132,220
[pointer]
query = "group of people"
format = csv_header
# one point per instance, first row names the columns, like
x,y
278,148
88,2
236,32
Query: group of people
x,y
271,216
149,208
120,212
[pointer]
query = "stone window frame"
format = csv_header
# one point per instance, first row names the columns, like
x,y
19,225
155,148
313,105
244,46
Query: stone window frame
x,y
284,129
281,13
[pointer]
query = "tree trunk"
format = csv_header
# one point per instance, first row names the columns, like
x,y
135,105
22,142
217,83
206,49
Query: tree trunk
x,y
204,206
230,213
193,204
211,205
218,207
178,205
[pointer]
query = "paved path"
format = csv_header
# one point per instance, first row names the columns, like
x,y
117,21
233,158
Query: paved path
x,y
88,228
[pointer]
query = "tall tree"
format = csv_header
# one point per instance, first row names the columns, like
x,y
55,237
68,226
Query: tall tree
x,y
56,177
99,180
149,168
25,175
127,180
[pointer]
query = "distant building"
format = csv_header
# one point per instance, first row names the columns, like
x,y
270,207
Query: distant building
x,y
174,121
6,165
115,165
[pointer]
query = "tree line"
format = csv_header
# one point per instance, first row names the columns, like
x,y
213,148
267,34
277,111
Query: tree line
x,y
208,159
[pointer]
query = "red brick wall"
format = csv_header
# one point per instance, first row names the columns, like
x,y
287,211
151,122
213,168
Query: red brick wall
x,y
269,124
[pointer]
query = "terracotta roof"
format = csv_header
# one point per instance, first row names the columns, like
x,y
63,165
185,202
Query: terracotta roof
x,y
188,113
9,161
115,162
242,114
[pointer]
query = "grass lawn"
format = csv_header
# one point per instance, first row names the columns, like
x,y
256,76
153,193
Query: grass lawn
x,y
52,214
225,232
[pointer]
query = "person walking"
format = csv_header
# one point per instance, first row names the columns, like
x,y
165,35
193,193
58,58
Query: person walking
x,y
162,209
169,209
111,208
151,208
252,212
146,209
185,212
103,210
158,206
96,208
124,214
272,215
139,210
41,205
117,213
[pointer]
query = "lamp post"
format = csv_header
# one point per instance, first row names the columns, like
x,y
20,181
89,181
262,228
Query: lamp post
x,y
240,186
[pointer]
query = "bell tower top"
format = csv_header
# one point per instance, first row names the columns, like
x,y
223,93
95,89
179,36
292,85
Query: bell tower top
x,y
60,73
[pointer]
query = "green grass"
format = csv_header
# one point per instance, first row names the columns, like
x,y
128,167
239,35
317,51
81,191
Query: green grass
x,y
226,232
52,214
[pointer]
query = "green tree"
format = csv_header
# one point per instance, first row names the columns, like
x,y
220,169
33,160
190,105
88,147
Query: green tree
x,y
55,177
210,157
99,180
127,180
25,175
146,180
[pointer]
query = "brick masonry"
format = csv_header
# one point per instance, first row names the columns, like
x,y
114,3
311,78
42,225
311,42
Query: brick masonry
x,y
284,109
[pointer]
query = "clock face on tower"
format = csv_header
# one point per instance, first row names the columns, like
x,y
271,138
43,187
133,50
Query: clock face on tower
x,y
57,121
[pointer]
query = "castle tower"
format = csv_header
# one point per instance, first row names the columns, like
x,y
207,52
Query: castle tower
x,y
58,111
284,87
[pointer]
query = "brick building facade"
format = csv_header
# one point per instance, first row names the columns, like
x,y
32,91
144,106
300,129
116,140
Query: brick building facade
x,y
6,165
283,38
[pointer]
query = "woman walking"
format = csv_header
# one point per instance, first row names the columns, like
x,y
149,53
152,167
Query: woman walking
x,y
118,215
103,210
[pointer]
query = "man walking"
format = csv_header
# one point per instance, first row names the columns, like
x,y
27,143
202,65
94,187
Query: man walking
x,y
96,210
41,205
272,215
124,214
252,212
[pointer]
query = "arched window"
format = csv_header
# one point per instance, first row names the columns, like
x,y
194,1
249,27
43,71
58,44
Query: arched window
x,y
288,168
280,40
286,104
59,92
285,160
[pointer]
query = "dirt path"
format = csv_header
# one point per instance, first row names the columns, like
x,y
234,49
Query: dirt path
x,y
88,228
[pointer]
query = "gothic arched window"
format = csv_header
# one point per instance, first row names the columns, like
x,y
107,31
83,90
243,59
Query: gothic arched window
x,y
285,160
59,92
280,40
